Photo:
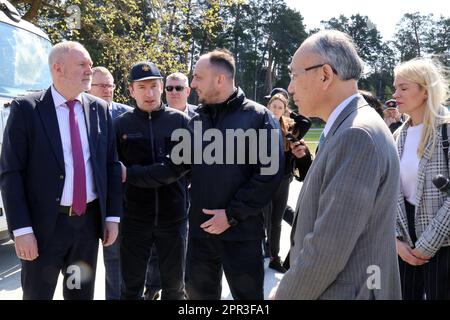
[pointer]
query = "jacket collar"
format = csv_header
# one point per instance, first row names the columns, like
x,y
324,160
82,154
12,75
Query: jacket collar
x,y
357,103
234,101
45,107
145,114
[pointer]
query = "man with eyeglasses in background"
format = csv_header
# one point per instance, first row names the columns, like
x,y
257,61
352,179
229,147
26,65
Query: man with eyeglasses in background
x,y
177,93
103,87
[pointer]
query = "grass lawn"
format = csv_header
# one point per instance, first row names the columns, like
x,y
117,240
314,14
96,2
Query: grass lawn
x,y
312,138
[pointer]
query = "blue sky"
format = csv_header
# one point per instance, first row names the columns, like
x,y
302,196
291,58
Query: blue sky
x,y
385,14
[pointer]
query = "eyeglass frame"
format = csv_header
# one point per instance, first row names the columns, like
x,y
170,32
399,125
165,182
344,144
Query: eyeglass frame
x,y
293,75
177,88
104,85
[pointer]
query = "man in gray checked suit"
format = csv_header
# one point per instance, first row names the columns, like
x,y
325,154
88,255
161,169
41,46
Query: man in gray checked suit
x,y
343,237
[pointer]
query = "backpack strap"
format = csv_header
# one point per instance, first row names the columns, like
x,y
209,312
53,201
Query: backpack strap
x,y
445,143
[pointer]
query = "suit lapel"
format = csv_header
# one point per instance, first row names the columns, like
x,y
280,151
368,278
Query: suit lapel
x,y
45,107
421,171
90,116
355,104
114,110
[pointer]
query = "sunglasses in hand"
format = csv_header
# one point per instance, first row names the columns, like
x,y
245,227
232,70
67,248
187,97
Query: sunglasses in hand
x,y
177,88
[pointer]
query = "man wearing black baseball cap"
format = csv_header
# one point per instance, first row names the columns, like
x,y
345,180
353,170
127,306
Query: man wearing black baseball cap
x,y
391,115
154,215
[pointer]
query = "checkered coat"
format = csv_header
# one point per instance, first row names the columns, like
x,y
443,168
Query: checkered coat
x,y
432,216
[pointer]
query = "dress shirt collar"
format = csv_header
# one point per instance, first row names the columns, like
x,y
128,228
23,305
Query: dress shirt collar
x,y
59,100
336,112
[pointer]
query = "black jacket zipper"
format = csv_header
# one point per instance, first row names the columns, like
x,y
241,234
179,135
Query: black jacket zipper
x,y
154,160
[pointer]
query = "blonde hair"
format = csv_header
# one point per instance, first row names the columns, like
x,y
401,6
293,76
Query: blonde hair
x,y
430,75
178,76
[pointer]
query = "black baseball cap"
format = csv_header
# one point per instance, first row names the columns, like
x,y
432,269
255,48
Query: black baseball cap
x,y
144,70
277,90
390,104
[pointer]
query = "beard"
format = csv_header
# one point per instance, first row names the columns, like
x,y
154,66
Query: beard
x,y
210,98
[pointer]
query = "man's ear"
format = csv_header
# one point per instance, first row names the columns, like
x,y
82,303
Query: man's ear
x,y
188,91
328,73
131,90
57,68
220,79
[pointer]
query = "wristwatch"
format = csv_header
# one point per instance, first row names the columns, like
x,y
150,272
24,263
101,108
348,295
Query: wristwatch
x,y
232,221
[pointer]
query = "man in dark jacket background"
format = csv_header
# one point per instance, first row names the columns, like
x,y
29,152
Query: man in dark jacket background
x,y
227,195
152,215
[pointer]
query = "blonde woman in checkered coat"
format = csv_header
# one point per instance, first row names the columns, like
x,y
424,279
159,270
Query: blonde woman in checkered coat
x,y
423,212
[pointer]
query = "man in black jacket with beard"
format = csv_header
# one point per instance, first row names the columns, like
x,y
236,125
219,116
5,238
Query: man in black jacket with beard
x,y
228,193
153,215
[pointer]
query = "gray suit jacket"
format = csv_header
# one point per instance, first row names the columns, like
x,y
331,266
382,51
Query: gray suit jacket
x,y
343,244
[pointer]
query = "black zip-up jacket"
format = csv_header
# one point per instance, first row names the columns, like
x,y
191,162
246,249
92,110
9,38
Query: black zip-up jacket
x,y
240,189
143,138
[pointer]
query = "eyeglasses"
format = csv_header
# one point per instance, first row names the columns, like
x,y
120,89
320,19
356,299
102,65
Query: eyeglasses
x,y
104,86
293,75
177,88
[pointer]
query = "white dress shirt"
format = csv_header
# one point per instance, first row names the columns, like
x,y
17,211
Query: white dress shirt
x,y
409,163
62,113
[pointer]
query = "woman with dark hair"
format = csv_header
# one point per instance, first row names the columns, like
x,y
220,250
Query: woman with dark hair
x,y
372,101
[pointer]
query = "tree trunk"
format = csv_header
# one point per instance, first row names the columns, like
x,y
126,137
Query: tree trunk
x,y
269,76
32,13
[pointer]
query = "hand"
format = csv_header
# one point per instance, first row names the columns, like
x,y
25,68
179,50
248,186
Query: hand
x,y
124,172
299,149
218,223
419,255
406,253
389,121
111,233
26,247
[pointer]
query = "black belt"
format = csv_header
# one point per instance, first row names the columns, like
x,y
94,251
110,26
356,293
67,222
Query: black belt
x,y
67,210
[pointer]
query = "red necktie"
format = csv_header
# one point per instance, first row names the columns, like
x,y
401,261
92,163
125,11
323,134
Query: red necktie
x,y
79,174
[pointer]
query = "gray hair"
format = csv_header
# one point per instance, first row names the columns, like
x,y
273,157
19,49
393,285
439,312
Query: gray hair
x,y
338,50
61,49
179,77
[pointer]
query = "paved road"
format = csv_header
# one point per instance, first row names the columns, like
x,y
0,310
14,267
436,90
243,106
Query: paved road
x,y
10,288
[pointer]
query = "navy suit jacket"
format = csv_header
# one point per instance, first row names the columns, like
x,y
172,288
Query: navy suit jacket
x,y
119,108
32,163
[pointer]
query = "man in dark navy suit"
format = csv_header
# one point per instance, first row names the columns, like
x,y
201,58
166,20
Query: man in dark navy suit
x,y
103,87
60,179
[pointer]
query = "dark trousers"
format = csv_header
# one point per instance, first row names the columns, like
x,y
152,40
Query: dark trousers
x,y
138,238
242,262
288,215
73,251
113,274
431,279
274,215
153,278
